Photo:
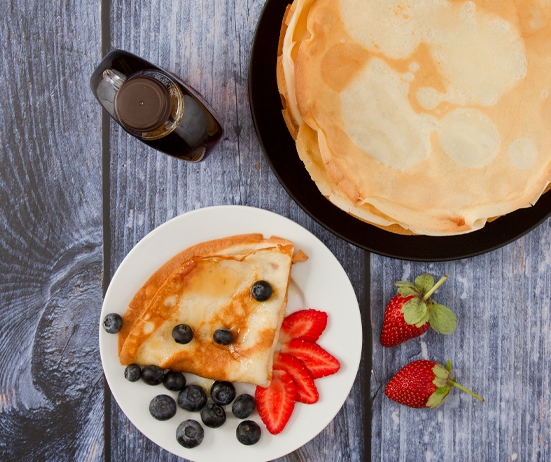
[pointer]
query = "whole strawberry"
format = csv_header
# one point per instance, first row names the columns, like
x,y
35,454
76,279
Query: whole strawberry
x,y
423,384
409,314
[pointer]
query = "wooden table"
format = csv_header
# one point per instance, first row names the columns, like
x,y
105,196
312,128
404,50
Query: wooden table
x,y
78,193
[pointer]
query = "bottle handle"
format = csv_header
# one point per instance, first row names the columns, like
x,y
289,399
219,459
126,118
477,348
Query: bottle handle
x,y
114,78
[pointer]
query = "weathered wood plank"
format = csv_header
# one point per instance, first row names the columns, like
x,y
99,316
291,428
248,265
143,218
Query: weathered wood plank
x,y
501,350
51,381
208,45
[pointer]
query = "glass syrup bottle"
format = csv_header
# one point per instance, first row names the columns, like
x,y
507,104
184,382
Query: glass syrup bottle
x,y
155,106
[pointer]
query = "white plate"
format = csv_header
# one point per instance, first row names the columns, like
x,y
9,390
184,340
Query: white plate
x,y
319,283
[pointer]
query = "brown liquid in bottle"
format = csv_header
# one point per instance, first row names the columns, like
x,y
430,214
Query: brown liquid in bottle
x,y
177,122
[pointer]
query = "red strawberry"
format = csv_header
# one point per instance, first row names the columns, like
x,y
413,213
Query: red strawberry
x,y
423,384
409,314
306,389
304,324
395,329
315,358
275,404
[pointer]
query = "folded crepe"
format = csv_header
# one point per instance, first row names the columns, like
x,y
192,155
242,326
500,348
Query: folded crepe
x,y
208,287
427,117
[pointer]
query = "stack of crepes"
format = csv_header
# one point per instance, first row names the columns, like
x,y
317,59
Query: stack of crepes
x,y
420,117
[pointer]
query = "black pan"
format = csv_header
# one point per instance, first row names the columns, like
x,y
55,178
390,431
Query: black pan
x,y
280,150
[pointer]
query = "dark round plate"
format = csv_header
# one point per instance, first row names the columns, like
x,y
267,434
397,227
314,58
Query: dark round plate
x,y
280,149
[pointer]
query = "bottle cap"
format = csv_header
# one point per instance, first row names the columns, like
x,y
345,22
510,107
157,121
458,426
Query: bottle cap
x,y
142,104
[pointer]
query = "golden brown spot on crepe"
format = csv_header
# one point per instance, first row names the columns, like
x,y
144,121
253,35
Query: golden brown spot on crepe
x,y
206,277
460,221
533,17
400,8
428,75
212,360
342,63
235,315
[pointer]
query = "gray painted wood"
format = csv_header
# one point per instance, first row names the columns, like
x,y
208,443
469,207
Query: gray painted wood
x,y
500,350
207,44
51,380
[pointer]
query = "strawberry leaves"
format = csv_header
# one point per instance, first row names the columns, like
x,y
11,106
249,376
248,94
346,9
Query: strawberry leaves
x,y
442,319
406,288
438,397
423,321
420,308
425,282
414,310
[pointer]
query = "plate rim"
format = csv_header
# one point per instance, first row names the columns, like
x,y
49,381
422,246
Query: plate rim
x,y
351,361
492,236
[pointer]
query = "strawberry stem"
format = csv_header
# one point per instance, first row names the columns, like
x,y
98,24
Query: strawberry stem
x,y
438,284
452,383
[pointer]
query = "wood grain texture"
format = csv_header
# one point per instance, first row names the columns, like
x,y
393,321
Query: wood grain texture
x,y
208,45
500,350
51,381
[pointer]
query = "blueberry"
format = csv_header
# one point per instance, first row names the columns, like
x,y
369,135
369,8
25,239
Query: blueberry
x,y
213,415
248,432
112,323
222,392
223,336
174,381
190,433
153,375
182,333
133,372
243,406
192,398
162,407
261,291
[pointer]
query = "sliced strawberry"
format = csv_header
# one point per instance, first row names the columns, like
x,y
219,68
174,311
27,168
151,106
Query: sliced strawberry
x,y
304,324
306,389
275,404
315,358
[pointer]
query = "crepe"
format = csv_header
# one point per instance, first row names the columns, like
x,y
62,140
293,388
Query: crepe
x,y
208,287
427,117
